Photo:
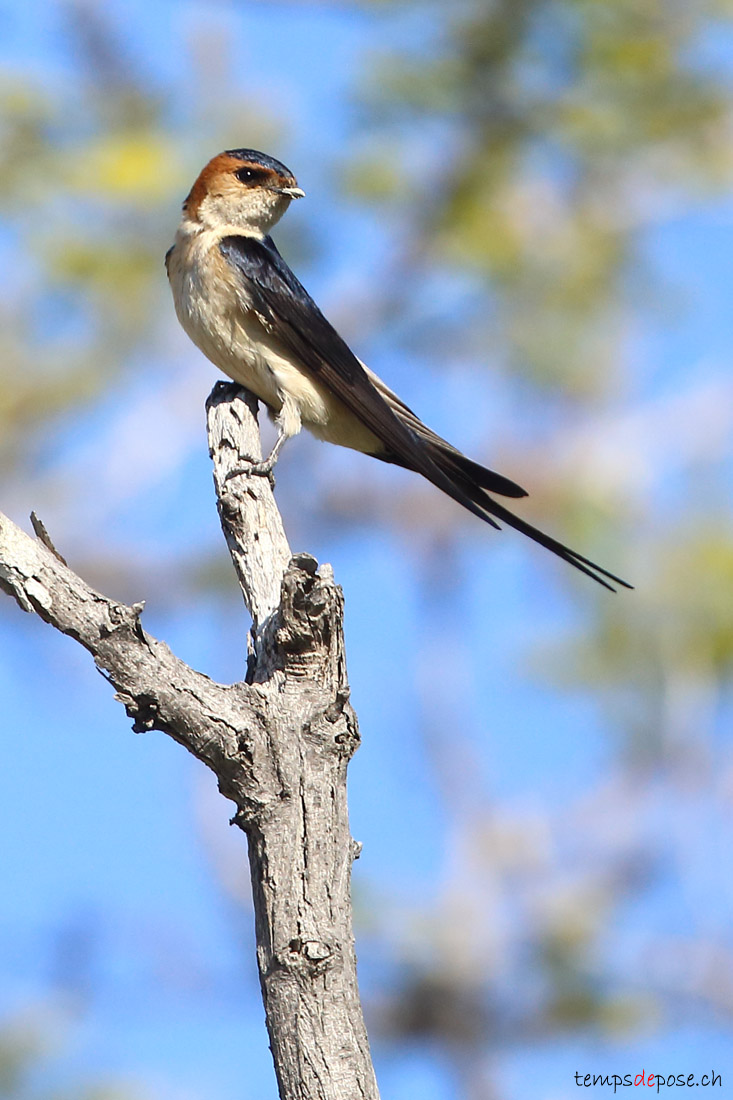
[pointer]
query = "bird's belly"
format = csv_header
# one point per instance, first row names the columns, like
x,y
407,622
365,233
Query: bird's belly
x,y
216,330
235,340
342,427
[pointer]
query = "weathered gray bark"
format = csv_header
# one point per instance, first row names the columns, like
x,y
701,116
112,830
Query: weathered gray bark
x,y
278,744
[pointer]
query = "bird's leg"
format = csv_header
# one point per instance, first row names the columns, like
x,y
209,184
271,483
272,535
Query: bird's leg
x,y
288,423
263,468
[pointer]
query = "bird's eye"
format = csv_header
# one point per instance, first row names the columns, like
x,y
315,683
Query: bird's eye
x,y
248,175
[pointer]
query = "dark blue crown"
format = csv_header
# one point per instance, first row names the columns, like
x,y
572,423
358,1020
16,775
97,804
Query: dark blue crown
x,y
260,158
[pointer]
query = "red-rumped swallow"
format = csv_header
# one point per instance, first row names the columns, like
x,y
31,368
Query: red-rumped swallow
x,y
244,308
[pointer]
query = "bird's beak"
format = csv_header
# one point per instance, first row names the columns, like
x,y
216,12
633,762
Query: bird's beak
x,y
292,192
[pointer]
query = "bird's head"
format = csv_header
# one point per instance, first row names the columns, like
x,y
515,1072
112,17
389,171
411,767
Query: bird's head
x,y
243,190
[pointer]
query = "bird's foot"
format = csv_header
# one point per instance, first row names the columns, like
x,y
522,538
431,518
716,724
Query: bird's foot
x,y
263,468
255,469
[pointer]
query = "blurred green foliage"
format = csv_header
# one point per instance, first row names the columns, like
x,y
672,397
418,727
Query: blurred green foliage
x,y
92,170
561,128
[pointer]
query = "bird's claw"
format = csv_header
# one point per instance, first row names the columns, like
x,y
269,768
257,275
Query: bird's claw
x,y
254,469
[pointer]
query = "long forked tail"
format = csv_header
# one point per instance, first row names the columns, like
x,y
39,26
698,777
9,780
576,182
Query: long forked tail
x,y
572,557
469,484
470,481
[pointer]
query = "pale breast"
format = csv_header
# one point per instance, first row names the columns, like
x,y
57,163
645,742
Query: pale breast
x,y
211,304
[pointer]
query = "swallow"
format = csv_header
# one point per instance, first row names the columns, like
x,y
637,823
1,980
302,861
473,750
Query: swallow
x,y
240,303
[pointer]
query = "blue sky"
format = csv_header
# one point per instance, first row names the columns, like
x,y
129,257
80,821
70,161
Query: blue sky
x,y
115,843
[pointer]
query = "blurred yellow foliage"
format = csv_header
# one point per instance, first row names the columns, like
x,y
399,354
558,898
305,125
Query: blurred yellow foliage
x,y
137,166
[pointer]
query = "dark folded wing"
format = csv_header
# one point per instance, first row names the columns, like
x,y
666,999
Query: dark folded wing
x,y
286,309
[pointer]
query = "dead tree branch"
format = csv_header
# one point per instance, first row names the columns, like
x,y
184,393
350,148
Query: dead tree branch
x,y
278,744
